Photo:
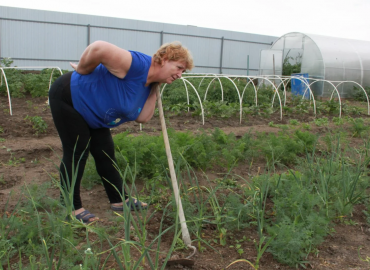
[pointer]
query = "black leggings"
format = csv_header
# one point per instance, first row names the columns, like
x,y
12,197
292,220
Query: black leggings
x,y
79,139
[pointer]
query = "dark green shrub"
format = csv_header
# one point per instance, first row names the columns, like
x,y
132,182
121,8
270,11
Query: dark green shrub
x,y
358,93
15,83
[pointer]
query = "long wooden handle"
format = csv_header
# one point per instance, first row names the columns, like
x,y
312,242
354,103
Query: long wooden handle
x,y
184,228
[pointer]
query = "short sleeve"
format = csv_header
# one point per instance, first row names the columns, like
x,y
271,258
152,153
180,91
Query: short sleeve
x,y
139,66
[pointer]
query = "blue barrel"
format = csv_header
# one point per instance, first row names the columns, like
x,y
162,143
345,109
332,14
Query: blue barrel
x,y
298,86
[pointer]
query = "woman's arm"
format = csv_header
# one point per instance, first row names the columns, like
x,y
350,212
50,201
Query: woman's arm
x,y
149,106
115,59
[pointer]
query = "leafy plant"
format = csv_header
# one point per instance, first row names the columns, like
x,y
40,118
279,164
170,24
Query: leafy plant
x,y
359,127
15,83
294,122
338,121
292,64
329,106
321,121
38,124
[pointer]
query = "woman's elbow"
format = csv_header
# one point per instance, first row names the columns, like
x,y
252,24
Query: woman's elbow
x,y
142,120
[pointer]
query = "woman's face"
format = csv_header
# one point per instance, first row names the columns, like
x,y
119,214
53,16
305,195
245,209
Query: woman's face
x,y
171,70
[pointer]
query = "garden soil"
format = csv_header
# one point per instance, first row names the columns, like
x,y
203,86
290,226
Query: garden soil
x,y
41,154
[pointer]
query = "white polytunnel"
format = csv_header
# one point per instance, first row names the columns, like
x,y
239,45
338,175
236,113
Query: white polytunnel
x,y
323,58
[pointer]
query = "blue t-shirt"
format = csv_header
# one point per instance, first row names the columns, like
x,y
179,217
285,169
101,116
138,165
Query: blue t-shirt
x,y
106,101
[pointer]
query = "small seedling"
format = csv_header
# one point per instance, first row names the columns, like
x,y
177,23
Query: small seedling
x,y
35,161
14,161
238,249
29,104
238,246
367,259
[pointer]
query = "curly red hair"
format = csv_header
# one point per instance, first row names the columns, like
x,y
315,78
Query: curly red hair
x,y
174,51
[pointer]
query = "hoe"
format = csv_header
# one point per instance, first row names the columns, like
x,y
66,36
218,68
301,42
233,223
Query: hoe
x,y
184,228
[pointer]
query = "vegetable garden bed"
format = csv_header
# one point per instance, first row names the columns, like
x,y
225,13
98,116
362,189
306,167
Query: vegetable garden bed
x,y
301,182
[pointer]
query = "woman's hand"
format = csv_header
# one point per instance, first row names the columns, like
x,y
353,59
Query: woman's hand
x,y
73,65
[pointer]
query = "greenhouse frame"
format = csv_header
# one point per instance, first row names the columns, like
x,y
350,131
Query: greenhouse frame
x,y
344,61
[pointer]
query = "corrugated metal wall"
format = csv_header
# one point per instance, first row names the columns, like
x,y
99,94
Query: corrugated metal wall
x,y
46,38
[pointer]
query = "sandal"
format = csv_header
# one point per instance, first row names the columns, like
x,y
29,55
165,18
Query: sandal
x,y
132,204
85,217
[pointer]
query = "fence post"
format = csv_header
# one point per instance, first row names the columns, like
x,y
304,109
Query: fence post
x,y
1,22
248,65
161,39
88,34
222,52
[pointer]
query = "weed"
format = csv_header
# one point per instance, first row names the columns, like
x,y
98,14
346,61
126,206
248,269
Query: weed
x,y
238,248
13,161
29,104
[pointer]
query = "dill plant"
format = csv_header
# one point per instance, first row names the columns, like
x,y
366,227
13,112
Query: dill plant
x,y
279,148
200,151
299,223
